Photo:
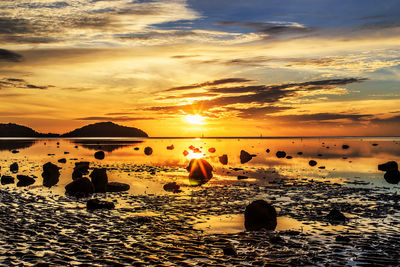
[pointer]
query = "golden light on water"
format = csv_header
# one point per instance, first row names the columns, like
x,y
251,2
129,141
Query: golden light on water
x,y
194,155
195,119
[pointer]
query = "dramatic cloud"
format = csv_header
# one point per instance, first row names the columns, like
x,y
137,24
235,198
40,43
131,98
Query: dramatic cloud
x,y
211,83
7,55
104,118
8,83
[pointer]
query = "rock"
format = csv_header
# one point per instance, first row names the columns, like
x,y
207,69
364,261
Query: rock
x,y
80,187
148,151
258,215
81,168
341,238
336,215
388,166
245,157
50,174
242,177
321,167
172,187
171,147
300,153
14,151
63,160
93,204
280,154
14,167
211,150
312,163
185,153
5,179
136,148
117,187
99,180
200,172
392,177
223,159
289,157
229,250
374,144
24,180
267,150
99,155
345,146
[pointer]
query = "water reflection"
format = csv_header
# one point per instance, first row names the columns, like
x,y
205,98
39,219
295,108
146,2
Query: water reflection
x,y
15,144
105,145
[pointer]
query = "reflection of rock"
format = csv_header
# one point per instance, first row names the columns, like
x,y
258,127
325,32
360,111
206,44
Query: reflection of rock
x,y
312,163
106,145
99,155
50,174
24,180
93,204
280,154
392,175
99,180
200,172
336,216
245,157
14,167
12,144
117,187
148,151
5,179
223,159
80,187
258,215
81,168
172,187
171,147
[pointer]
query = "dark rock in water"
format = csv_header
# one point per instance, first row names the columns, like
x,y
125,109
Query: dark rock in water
x,y
267,150
5,179
392,177
185,153
223,159
312,163
93,204
14,167
374,144
299,153
319,155
81,168
258,215
63,160
50,174
345,146
280,154
200,172
117,187
148,151
212,150
341,238
229,250
66,152
242,177
24,180
136,148
14,151
81,187
289,157
388,166
336,215
321,167
99,155
172,187
245,157
171,147
99,180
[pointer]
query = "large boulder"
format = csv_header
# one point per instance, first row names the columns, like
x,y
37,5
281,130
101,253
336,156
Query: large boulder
x,y
24,180
93,204
81,168
5,179
117,187
99,180
14,167
260,215
388,166
200,172
245,157
392,175
50,174
80,187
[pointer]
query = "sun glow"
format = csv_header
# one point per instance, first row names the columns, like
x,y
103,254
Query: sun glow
x,y
194,119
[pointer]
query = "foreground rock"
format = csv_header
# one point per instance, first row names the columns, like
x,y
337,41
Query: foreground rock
x,y
81,168
392,175
336,216
24,180
5,179
80,187
99,155
99,180
245,157
148,151
223,159
171,147
200,172
172,187
50,174
312,163
117,187
14,167
280,154
260,215
94,204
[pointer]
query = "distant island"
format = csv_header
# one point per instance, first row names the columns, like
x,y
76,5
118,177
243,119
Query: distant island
x,y
100,129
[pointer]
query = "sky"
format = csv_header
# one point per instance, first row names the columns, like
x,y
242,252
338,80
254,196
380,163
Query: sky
x,y
201,67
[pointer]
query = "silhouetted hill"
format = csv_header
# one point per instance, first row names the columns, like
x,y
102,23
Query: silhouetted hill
x,y
15,130
106,129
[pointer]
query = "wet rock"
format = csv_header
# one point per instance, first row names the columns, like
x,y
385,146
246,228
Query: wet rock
x,y
24,180
341,238
299,153
99,155
117,187
312,163
345,146
136,148
171,147
289,157
258,215
200,172
93,204
80,187
5,179
280,154
242,177
229,250
80,169
63,160
14,151
245,157
392,175
321,167
267,150
223,159
336,216
172,187
148,151
211,150
50,174
14,167
388,166
99,180
374,144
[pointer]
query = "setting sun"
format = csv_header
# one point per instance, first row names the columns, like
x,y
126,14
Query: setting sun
x,y
194,119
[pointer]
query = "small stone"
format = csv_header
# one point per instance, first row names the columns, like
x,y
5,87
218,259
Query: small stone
x,y
223,159
172,187
258,215
242,177
312,163
211,150
24,180
171,147
148,151
280,154
99,155
336,215
245,157
63,160
117,187
94,204
14,167
345,146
